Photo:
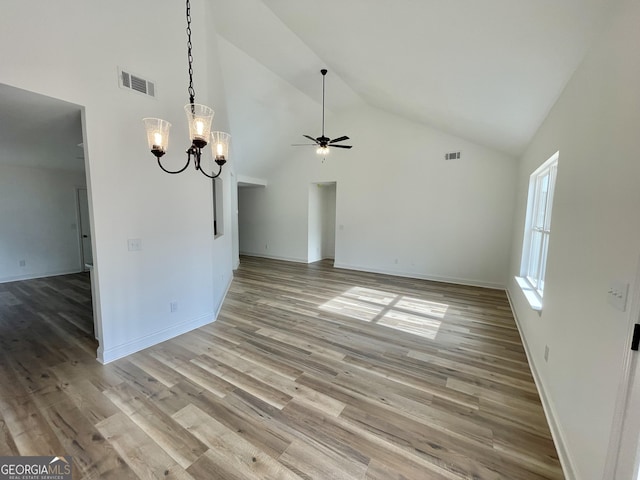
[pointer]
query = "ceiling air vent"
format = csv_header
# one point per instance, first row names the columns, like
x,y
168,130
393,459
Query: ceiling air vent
x,y
136,83
452,156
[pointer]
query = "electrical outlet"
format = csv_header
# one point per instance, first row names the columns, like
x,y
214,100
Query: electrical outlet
x,y
173,306
546,353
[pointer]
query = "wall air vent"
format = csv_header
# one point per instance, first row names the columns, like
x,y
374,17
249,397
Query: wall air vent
x,y
136,83
452,156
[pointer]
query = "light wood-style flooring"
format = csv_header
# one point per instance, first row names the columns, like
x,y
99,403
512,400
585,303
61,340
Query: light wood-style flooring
x,y
310,372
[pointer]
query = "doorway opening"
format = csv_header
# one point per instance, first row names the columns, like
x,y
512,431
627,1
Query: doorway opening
x,y
249,194
322,222
47,251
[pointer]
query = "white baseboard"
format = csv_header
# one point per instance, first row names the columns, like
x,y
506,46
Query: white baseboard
x,y
568,467
360,268
33,276
274,257
111,354
420,276
224,295
120,351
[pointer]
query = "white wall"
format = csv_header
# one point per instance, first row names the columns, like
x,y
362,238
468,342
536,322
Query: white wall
x,y
400,200
402,209
38,210
315,219
595,238
130,196
328,196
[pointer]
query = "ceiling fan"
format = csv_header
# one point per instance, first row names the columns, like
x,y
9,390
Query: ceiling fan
x,y
322,142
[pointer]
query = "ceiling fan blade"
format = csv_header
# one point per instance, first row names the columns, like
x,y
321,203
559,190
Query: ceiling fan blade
x,y
339,139
311,138
341,146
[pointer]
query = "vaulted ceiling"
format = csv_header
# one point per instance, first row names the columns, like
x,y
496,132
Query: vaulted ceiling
x,y
485,71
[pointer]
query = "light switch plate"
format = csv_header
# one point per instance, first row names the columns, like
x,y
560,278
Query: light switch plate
x,y
617,295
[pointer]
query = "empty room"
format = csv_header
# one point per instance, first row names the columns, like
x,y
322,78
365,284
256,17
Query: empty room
x,y
388,241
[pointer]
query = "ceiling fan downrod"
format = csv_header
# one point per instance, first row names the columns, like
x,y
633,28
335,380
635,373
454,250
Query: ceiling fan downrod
x,y
322,142
324,76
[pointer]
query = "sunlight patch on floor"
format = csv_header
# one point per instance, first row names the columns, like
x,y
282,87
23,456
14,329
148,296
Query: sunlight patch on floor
x,y
414,324
370,295
408,314
352,308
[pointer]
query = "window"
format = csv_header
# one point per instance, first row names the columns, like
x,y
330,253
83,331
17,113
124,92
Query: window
x,y
537,230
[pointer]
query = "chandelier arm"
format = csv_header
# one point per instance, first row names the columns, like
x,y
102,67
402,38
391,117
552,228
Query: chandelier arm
x,y
211,176
177,171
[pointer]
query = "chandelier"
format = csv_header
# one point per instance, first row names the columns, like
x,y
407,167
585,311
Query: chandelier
x,y
199,118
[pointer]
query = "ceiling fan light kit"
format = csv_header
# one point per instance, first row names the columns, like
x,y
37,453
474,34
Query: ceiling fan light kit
x,y
199,118
323,142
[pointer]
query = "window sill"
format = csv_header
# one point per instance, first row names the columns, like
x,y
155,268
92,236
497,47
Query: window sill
x,y
535,302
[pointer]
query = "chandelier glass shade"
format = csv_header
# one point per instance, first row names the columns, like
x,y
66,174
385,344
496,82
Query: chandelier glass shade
x,y
157,135
199,119
220,145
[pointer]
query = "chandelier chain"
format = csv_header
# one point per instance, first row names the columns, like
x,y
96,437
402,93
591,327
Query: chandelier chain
x,y
192,92
199,118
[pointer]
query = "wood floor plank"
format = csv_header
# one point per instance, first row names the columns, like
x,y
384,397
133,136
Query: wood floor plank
x,y
238,417
301,342
256,387
80,439
141,453
310,372
196,374
90,401
155,368
183,447
281,383
311,462
8,446
464,458
229,451
418,411
29,430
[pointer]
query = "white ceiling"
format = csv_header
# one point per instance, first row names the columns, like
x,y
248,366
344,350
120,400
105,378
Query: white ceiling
x,y
486,71
39,131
